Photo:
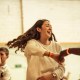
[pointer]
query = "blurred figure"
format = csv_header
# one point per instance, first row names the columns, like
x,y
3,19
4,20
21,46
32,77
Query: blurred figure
x,y
4,70
66,52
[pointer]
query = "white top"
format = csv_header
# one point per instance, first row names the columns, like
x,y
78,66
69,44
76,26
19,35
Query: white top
x,y
5,73
38,64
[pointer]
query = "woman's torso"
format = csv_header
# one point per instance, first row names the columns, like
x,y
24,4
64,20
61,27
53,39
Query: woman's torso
x,y
39,65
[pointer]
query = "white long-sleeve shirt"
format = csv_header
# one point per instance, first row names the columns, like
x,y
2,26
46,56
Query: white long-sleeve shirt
x,y
5,73
39,65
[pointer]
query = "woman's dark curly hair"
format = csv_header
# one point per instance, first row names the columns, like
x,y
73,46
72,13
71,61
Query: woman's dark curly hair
x,y
21,41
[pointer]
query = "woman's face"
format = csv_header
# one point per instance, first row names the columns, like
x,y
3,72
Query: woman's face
x,y
45,30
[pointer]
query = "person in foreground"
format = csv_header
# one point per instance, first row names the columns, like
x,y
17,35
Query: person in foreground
x,y
4,69
68,51
41,51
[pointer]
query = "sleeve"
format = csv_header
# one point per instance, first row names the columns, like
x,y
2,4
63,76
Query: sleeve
x,y
32,48
58,47
59,71
6,75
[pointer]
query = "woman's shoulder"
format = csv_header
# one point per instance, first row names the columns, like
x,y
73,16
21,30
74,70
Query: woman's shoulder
x,y
32,41
57,44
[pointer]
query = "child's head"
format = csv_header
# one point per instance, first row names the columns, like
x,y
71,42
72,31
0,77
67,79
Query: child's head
x,y
4,53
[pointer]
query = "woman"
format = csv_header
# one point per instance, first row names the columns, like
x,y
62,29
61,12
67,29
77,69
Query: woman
x,y
41,51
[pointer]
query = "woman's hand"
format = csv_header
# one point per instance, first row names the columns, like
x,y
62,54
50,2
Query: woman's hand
x,y
62,55
58,58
